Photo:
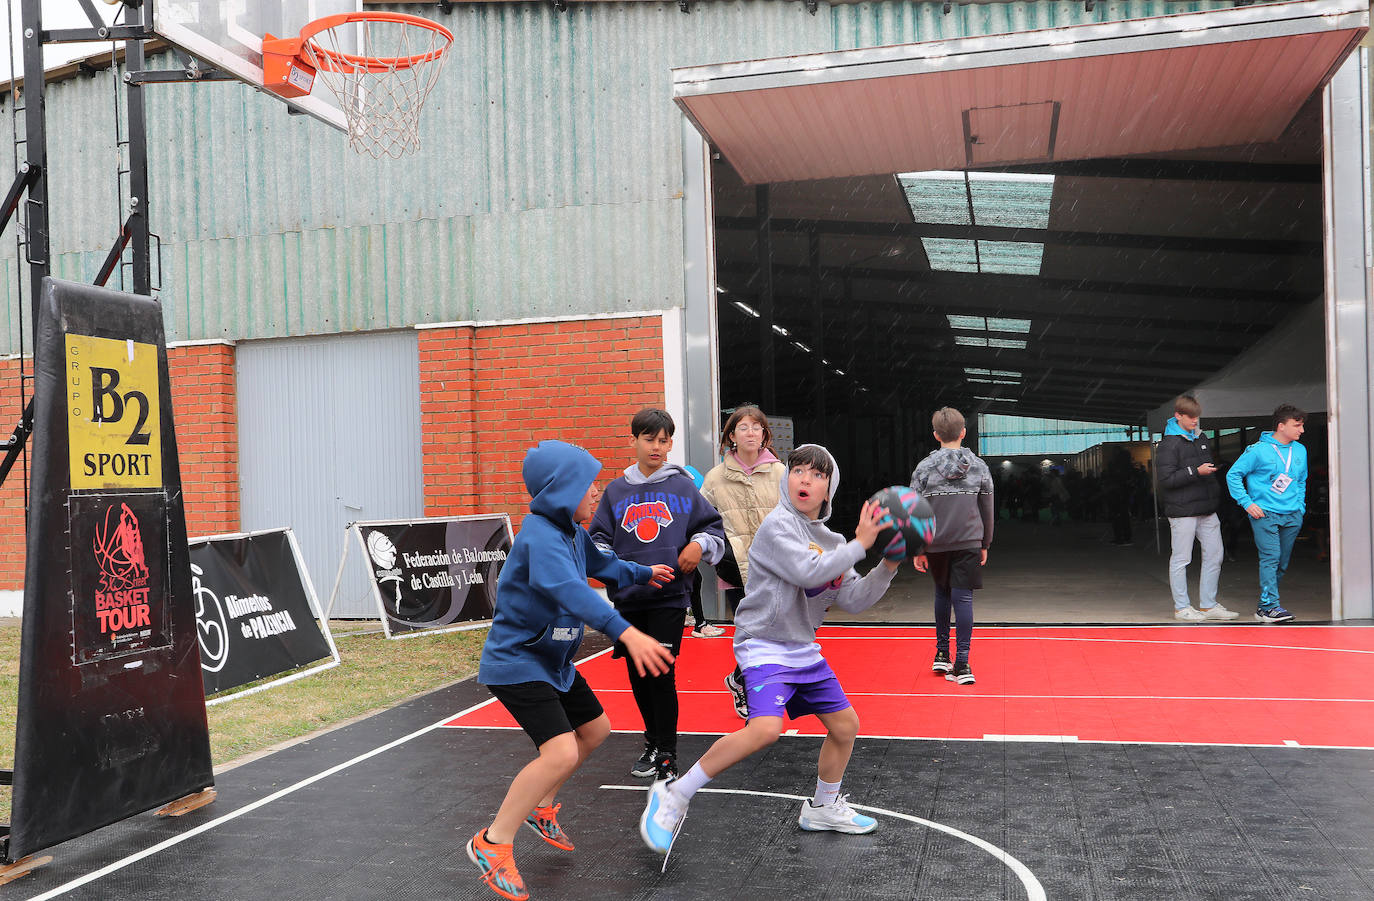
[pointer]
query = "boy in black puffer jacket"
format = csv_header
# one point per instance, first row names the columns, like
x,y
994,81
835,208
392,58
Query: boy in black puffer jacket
x,y
1188,487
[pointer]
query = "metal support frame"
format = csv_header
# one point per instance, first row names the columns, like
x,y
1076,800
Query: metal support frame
x,y
1349,335
764,273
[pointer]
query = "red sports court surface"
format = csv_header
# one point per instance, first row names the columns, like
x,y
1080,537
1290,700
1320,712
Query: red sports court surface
x,y
1310,686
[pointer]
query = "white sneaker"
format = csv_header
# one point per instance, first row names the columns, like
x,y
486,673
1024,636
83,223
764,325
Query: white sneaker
x,y
1190,614
1216,611
689,620
710,630
662,817
837,817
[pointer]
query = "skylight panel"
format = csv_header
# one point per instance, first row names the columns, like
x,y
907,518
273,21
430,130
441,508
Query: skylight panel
x,y
951,254
1010,257
940,198
1005,199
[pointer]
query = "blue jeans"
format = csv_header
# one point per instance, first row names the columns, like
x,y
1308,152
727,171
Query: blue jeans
x,y
1274,537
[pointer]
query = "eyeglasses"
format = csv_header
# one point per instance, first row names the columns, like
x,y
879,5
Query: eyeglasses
x,y
747,427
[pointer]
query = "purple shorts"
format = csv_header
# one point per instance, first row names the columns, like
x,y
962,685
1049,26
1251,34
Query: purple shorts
x,y
774,689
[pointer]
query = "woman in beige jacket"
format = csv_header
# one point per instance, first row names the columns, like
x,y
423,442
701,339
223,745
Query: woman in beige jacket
x,y
744,488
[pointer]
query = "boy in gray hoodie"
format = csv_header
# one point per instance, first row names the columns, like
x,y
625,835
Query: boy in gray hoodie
x,y
798,568
958,487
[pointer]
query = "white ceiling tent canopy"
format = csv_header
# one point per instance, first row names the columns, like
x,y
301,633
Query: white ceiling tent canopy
x,y
1178,82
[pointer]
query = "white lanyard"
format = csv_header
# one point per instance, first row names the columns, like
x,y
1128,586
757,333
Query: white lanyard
x,y
1286,463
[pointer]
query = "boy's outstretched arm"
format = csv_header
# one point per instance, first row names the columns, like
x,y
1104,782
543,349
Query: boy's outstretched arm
x,y
857,593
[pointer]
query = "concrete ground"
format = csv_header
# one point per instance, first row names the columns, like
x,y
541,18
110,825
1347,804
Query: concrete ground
x,y
1070,573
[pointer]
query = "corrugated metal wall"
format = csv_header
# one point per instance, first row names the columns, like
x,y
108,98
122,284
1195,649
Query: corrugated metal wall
x,y
329,433
549,181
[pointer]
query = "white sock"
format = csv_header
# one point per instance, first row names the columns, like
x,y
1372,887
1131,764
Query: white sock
x,y
691,781
826,793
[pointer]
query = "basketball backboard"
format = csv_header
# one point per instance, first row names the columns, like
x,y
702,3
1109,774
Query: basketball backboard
x,y
228,35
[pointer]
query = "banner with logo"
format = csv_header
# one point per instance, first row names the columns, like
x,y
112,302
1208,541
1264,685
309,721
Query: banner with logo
x,y
256,611
432,573
111,712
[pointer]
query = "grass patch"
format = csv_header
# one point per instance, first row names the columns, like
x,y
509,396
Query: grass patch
x,y
374,674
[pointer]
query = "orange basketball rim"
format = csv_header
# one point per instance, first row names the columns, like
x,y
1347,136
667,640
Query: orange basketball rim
x,y
379,65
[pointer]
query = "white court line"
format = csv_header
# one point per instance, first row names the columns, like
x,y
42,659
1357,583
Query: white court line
x,y
991,739
1034,890
966,695
233,815
982,636
261,802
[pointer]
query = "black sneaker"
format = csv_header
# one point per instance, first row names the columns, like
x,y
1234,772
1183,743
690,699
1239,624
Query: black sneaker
x,y
941,664
644,766
665,767
961,674
740,698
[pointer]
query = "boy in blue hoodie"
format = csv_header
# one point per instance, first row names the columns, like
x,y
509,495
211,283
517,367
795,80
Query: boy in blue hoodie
x,y
542,604
654,514
798,568
1270,482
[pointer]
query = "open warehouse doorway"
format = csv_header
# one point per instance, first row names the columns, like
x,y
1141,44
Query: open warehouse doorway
x,y
1055,232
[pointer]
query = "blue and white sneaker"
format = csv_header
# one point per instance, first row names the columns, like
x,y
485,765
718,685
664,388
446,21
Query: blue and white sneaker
x,y
837,817
1275,614
662,818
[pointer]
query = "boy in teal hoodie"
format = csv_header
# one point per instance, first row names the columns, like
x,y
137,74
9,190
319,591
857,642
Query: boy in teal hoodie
x,y
542,604
1270,482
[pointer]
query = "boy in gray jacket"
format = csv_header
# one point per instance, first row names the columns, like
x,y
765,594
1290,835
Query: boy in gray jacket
x,y
798,568
958,487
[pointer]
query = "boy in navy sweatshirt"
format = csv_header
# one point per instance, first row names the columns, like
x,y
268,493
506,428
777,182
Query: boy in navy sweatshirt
x,y
542,602
798,568
654,514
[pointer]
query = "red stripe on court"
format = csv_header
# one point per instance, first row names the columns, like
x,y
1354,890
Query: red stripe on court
x,y
1253,685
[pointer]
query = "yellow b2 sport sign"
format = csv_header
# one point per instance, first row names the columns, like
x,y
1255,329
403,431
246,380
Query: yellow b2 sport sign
x,y
113,427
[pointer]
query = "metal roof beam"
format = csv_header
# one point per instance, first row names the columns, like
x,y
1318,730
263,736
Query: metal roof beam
x,y
1179,243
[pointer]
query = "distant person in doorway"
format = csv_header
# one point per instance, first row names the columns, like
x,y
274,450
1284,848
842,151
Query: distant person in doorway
x,y
744,487
1270,482
1116,496
958,487
1189,491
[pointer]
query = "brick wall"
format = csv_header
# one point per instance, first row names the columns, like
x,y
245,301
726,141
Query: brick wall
x,y
488,393
203,405
12,492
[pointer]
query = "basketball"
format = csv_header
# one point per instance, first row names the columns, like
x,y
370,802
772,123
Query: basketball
x,y
909,524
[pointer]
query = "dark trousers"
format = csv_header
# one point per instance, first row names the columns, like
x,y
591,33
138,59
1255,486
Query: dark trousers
x,y
1121,525
656,696
961,601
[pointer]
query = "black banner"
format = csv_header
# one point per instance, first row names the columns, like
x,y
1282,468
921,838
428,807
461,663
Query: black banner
x,y
111,712
253,611
435,572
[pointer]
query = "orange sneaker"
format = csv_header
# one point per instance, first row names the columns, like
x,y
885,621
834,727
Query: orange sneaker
x,y
544,820
497,863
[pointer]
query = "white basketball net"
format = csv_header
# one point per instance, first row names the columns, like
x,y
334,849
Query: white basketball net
x,y
380,73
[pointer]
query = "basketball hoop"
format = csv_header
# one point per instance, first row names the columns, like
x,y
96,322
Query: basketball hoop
x,y
380,66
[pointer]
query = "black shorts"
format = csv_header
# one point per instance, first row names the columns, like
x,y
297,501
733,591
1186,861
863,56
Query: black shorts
x,y
544,712
662,623
957,569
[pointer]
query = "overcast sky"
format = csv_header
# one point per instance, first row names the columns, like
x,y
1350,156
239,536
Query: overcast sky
x,y
56,14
